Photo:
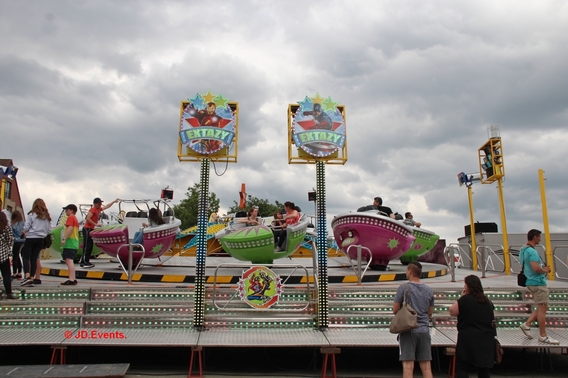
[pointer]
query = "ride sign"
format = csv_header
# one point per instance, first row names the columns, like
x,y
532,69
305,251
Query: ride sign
x,y
207,123
318,126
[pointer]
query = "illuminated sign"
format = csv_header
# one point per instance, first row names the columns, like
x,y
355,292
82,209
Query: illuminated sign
x,y
207,123
319,127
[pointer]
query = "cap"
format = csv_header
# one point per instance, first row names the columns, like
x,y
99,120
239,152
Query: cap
x,y
97,200
71,207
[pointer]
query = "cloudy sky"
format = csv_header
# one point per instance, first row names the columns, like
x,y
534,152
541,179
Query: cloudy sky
x,y
90,94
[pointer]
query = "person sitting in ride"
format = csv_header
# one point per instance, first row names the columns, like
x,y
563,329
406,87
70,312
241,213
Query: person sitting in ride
x,y
409,220
252,218
292,217
154,219
278,227
213,218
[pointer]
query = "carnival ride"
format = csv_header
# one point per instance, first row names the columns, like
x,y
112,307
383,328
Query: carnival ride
x,y
380,237
256,243
424,242
116,240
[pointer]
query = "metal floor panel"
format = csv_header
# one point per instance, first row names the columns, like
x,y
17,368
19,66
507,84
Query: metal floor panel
x,y
133,337
360,337
263,338
33,336
79,370
376,337
515,338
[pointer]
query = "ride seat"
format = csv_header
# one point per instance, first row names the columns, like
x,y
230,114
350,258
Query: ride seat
x,y
142,214
132,214
168,213
239,215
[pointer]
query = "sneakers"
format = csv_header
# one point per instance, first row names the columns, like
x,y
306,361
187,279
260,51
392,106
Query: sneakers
x,y
526,330
547,340
87,265
277,249
37,281
27,282
69,282
11,296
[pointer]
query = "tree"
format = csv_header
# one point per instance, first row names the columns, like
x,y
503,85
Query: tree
x,y
265,209
187,210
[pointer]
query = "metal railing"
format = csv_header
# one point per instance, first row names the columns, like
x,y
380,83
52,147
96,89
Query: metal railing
x,y
234,303
486,254
559,263
450,253
358,267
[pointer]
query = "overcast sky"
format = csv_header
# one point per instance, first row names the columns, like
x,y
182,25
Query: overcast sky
x,y
90,94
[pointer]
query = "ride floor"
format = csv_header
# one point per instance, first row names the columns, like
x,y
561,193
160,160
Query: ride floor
x,y
228,270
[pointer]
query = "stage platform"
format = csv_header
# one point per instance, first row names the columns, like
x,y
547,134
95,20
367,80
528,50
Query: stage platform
x,y
156,311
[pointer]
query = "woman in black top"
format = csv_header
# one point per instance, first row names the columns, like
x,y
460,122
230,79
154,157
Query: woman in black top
x,y
475,344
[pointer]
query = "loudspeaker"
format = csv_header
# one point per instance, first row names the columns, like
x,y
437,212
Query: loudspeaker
x,y
167,194
481,228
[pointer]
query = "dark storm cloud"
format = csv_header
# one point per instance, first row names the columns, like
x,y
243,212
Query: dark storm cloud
x,y
95,88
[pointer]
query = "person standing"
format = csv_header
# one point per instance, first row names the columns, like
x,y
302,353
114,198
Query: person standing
x,y
6,243
475,344
91,222
415,345
536,270
36,228
17,227
70,242
6,212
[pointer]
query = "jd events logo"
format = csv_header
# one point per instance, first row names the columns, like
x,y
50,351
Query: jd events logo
x,y
94,334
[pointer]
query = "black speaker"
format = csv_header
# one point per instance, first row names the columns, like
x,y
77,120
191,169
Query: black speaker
x,y
481,228
167,194
311,196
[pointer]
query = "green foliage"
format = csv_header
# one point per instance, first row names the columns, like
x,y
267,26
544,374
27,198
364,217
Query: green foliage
x,y
187,210
265,209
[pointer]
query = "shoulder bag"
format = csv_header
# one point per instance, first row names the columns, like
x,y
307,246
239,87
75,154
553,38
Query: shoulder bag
x,y
405,319
47,241
521,278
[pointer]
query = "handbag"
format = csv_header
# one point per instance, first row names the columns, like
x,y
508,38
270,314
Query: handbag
x,y
498,354
498,351
405,319
47,241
